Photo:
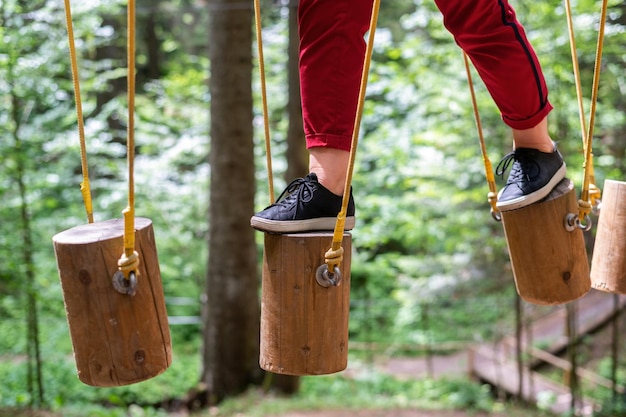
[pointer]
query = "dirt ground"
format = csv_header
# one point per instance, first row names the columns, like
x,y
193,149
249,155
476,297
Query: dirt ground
x,y
393,413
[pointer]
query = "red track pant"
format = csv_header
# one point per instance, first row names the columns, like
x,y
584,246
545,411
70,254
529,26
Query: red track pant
x,y
332,50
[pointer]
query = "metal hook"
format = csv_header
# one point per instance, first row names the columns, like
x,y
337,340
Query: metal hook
x,y
325,278
123,285
597,207
586,226
571,222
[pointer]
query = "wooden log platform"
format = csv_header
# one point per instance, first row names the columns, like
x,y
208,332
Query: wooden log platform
x,y
304,326
118,339
608,265
549,262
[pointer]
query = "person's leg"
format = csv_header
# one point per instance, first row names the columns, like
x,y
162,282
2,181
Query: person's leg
x,y
489,32
332,50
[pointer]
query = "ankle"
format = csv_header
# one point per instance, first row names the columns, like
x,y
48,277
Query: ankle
x,y
333,184
330,165
536,137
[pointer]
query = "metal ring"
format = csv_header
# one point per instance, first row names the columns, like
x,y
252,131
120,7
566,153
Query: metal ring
x,y
572,222
123,285
325,278
586,226
496,215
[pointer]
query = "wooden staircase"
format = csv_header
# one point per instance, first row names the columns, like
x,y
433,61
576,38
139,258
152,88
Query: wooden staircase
x,y
496,363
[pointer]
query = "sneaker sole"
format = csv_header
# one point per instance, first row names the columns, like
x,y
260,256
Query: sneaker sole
x,y
299,226
533,197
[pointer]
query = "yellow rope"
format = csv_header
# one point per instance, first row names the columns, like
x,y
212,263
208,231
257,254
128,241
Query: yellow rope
x,y
85,188
579,93
266,123
129,260
585,204
590,193
492,196
334,255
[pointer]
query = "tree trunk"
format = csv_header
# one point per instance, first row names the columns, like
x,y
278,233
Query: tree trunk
x,y
148,24
231,315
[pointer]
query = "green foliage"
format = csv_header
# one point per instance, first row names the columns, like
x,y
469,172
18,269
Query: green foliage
x,y
65,390
172,141
611,408
385,391
429,264
369,390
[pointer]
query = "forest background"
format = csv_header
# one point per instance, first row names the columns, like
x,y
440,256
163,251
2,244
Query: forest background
x,y
430,266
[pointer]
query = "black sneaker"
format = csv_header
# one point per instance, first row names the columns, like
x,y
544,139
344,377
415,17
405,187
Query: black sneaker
x,y
533,175
305,205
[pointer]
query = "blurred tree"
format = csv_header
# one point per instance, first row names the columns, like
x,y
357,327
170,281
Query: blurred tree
x,y
231,315
25,273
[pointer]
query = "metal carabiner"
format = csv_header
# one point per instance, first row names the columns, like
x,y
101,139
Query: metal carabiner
x,y
597,207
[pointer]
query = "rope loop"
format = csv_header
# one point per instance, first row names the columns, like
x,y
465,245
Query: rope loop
x,y
127,264
583,221
584,208
595,195
334,257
